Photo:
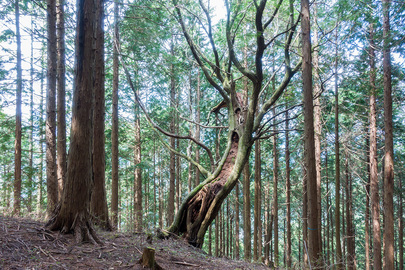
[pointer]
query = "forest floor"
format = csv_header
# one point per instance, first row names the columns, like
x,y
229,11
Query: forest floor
x,y
25,244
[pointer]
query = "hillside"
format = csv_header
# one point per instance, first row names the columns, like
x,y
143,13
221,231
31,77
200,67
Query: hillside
x,y
25,244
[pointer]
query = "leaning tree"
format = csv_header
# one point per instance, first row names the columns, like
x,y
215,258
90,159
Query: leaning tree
x,y
272,32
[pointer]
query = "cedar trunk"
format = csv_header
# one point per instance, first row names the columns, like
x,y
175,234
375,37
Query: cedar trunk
x,y
72,215
257,228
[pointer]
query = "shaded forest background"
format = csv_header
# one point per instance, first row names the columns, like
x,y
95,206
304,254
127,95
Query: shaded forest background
x,y
264,217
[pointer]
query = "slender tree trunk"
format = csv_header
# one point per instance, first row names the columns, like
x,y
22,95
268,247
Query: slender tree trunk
x,y
367,214
339,257
73,213
138,171
61,81
197,127
305,216
172,183
288,192
257,228
351,256
114,128
41,140
31,129
246,213
17,145
328,211
217,236
309,141
400,226
52,183
275,200
375,201
389,145
98,203
237,247
317,124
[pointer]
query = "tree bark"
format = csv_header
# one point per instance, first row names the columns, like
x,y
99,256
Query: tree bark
x,y
288,192
114,128
31,119
375,201
138,172
72,214
389,145
17,144
98,203
400,227
367,214
61,81
237,247
50,131
339,257
275,200
309,141
257,228
351,255
246,213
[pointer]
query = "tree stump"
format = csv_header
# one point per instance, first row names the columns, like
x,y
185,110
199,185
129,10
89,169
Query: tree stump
x,y
148,259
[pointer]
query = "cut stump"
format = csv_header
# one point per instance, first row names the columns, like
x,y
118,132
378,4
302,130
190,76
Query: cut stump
x,y
148,259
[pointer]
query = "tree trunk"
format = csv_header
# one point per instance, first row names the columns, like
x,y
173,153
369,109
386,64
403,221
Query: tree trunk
x,y
389,145
61,81
138,172
339,257
367,214
351,256
114,128
31,119
257,228
51,178
237,248
309,141
17,145
288,192
275,199
72,215
172,183
197,127
375,201
41,140
246,213
400,227
98,203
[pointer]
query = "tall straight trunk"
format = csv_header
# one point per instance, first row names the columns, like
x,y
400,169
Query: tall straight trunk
x,y
114,128
317,123
328,212
98,203
367,214
17,145
288,192
161,201
389,145
246,213
400,227
41,140
73,214
309,140
305,216
61,81
257,227
339,257
178,168
137,172
267,231
217,235
172,168
375,200
31,119
237,247
275,200
351,256
51,178
197,127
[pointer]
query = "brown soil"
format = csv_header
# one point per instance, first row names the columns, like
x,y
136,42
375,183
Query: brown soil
x,y
25,244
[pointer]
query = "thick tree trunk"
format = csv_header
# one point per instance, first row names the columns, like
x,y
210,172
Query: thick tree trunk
x,y
17,145
309,141
61,81
98,203
114,128
389,145
72,215
50,131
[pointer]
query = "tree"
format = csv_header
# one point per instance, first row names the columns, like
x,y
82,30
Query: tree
x,y
72,214
389,145
309,139
98,204
114,128
201,206
50,129
17,145
257,228
61,81
288,191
